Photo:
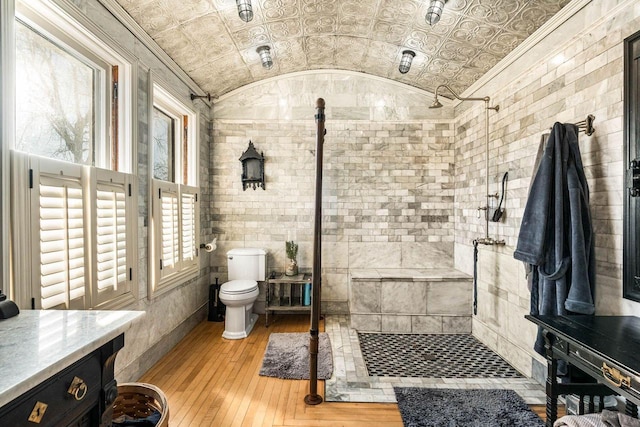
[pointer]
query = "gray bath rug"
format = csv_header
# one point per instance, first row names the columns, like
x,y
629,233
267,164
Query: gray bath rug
x,y
437,407
287,356
431,356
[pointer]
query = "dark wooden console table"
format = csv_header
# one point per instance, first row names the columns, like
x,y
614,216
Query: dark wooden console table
x,y
607,348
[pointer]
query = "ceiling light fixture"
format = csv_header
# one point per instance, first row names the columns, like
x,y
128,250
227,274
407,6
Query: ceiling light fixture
x,y
434,12
265,56
245,10
405,61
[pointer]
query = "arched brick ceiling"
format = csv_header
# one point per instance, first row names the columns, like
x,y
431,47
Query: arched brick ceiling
x,y
208,40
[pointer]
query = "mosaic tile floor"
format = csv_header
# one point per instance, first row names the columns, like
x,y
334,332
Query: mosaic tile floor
x,y
431,356
351,382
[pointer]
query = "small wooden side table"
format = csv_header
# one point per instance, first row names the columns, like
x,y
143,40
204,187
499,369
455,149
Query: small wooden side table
x,y
287,294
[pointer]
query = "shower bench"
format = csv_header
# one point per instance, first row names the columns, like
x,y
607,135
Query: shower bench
x,y
419,301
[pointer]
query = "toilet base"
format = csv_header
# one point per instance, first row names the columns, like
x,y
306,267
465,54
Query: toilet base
x,y
236,335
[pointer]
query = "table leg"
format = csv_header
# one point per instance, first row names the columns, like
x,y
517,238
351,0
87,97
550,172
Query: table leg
x,y
631,409
552,383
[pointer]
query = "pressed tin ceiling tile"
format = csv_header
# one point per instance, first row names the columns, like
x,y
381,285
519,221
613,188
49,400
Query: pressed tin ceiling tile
x,y
257,35
322,7
285,29
280,9
217,49
319,24
423,41
362,8
353,25
398,11
494,12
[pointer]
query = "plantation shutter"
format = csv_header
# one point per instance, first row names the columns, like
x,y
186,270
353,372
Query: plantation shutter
x,y
113,202
73,234
189,224
61,260
169,229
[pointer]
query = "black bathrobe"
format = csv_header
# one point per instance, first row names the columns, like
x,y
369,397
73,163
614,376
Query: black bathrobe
x,y
556,236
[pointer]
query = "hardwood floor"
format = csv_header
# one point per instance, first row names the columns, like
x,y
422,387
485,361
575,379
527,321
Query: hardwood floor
x,y
211,381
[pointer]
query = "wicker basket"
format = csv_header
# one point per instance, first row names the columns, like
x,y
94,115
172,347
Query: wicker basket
x,y
139,400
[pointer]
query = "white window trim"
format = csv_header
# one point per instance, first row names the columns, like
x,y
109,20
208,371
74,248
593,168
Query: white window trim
x,y
7,133
160,283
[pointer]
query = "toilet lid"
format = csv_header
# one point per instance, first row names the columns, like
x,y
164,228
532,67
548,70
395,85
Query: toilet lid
x,y
239,286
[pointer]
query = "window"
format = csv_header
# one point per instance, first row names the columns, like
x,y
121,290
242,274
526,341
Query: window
x,y
48,77
73,92
163,145
73,200
175,209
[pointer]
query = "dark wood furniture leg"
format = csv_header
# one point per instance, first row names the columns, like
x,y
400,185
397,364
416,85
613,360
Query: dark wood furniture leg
x,y
552,383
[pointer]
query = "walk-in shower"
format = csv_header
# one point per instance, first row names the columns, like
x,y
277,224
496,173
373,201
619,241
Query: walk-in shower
x,y
486,240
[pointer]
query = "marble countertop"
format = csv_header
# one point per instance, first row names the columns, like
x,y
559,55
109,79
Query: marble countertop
x,y
36,344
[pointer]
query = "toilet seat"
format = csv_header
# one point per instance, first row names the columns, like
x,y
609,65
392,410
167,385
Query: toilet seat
x,y
239,287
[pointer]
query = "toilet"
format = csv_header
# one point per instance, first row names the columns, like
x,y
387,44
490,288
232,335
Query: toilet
x,y
246,267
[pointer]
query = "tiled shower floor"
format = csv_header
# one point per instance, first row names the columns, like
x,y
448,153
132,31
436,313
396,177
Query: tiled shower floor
x,y
431,356
351,382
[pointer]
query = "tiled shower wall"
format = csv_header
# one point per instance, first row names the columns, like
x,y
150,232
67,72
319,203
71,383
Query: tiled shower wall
x,y
586,79
388,181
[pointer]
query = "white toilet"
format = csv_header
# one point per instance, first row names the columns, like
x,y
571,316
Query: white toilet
x,y
246,266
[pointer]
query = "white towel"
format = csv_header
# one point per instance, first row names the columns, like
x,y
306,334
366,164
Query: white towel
x,y
606,419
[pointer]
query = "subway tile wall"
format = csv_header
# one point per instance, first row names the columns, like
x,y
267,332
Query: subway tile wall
x,y
388,176
581,75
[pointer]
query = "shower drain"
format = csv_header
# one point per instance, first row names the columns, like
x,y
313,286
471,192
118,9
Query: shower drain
x,y
431,356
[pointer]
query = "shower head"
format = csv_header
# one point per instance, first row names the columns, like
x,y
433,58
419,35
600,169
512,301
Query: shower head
x,y
436,103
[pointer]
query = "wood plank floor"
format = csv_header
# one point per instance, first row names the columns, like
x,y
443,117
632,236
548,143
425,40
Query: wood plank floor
x,y
211,381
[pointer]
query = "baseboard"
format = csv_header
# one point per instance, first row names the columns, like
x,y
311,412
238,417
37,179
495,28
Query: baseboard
x,y
538,371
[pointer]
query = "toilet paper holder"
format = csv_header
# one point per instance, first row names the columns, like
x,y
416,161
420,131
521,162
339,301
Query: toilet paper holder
x,y
209,247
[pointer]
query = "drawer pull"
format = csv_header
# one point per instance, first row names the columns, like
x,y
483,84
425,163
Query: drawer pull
x,y
78,388
615,377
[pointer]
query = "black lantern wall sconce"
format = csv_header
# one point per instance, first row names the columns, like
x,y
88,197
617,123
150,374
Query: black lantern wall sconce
x,y
252,168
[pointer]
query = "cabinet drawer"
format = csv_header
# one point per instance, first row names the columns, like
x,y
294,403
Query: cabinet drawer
x,y
54,393
605,371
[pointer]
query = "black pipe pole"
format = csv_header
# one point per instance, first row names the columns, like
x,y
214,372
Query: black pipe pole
x,y
313,398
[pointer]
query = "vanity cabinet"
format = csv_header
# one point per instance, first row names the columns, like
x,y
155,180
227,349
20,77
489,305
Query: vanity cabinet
x,y
287,294
57,366
79,395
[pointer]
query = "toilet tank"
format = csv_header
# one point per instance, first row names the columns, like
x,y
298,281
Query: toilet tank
x,y
247,264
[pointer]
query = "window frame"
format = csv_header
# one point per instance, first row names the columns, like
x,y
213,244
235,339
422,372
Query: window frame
x,y
161,279
68,28
7,133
